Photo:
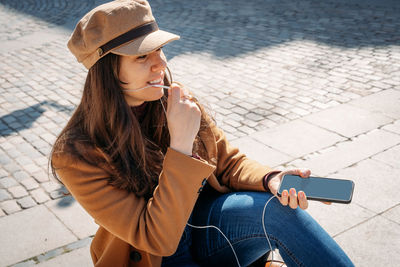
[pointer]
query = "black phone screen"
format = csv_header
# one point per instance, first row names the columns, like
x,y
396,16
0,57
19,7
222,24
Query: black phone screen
x,y
317,188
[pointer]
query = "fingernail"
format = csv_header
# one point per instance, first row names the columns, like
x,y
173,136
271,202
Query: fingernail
x,y
284,193
301,194
292,192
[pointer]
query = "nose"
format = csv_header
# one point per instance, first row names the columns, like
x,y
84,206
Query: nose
x,y
159,61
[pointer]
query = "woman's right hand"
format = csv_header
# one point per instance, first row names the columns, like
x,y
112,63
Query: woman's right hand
x,y
183,117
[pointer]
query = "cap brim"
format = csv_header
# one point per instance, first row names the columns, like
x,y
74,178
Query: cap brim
x,y
146,44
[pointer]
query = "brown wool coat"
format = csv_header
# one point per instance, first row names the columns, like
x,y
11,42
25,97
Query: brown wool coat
x,y
136,232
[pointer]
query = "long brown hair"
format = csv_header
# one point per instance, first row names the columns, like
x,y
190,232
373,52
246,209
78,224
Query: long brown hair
x,y
104,132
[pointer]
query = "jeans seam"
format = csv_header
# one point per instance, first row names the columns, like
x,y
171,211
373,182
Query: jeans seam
x,y
288,252
291,255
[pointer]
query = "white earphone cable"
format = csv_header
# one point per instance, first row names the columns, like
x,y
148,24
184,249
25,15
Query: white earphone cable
x,y
233,250
212,226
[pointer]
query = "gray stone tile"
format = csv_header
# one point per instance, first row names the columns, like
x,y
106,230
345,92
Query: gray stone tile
x,y
18,191
348,120
390,156
40,176
260,152
350,152
7,182
394,127
14,153
21,175
373,243
29,183
51,186
29,233
58,193
79,244
39,195
336,218
73,216
50,254
11,167
26,202
79,257
25,264
376,184
297,138
3,173
10,206
393,214
4,195
385,102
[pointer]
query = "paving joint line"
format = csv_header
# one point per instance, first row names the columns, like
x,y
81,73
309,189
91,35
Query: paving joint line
x,y
55,252
59,219
368,219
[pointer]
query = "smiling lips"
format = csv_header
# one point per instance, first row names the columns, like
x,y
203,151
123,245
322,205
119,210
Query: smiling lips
x,y
159,81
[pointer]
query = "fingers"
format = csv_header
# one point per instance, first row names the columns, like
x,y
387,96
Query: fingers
x,y
183,117
290,198
303,202
174,94
304,173
284,198
294,200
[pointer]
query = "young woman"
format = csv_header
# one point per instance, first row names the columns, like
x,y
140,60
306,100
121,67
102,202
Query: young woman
x,y
151,167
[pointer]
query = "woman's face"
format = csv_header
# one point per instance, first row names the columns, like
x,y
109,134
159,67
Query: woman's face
x,y
141,71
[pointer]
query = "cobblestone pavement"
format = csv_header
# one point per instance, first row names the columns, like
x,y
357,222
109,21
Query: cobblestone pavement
x,y
255,65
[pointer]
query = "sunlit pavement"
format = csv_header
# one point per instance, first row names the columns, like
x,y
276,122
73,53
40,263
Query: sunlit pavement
x,y
311,84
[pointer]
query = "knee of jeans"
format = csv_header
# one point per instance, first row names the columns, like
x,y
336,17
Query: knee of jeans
x,y
238,201
285,213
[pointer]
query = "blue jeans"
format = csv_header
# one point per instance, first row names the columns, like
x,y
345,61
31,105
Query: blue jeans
x,y
300,239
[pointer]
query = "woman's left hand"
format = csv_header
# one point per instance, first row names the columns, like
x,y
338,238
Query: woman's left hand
x,y
291,198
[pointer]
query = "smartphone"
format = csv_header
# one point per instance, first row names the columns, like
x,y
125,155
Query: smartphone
x,y
318,188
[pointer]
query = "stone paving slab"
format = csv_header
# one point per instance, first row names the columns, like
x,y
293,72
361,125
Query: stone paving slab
x,y
55,253
348,121
373,243
297,138
337,218
73,216
260,152
390,157
79,257
394,127
347,153
29,233
20,18
376,184
386,103
393,214
35,39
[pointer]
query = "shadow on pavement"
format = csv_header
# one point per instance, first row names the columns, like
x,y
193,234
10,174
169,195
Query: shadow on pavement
x,y
65,202
230,28
24,118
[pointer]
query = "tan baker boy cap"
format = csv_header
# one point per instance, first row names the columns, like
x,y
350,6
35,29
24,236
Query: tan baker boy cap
x,y
123,27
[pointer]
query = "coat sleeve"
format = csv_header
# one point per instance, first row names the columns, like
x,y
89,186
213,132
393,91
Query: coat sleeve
x,y
153,225
234,169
